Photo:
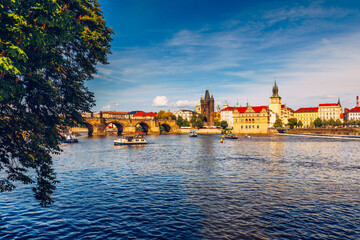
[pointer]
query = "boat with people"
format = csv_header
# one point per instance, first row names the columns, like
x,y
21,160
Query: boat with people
x,y
192,133
138,139
231,136
69,138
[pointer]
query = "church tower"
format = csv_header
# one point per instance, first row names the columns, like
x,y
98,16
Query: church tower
x,y
275,101
207,109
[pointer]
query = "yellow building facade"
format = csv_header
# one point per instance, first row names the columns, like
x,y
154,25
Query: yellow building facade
x,y
307,116
249,120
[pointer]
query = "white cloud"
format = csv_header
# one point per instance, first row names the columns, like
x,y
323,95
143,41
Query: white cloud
x,y
160,101
184,103
106,108
163,101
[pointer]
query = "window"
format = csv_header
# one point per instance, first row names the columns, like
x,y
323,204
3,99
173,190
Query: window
x,y
258,126
241,127
246,126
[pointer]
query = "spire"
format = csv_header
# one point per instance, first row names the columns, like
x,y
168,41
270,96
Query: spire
x,y
225,104
339,101
212,97
207,95
275,91
237,103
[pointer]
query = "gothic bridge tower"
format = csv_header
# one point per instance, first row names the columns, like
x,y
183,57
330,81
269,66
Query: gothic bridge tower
x,y
207,109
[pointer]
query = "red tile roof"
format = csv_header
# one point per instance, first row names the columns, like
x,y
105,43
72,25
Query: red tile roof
x,y
257,109
355,109
139,114
327,104
341,115
151,114
312,109
228,109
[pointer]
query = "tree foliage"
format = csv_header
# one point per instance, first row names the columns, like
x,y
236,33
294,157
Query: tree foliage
x,y
48,49
165,115
182,122
292,122
223,124
299,124
278,123
318,122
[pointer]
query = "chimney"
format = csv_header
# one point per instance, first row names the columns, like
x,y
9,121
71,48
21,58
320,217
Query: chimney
x,y
357,101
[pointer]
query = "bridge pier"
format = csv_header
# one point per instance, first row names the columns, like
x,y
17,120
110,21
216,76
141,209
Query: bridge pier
x,y
99,130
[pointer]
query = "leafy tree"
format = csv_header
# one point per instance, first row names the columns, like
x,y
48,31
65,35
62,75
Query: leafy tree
x,y
217,123
48,49
223,124
165,115
331,122
292,122
299,124
162,128
180,121
351,122
199,123
318,122
185,123
278,123
338,122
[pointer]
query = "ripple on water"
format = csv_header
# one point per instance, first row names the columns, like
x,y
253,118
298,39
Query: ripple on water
x,y
177,187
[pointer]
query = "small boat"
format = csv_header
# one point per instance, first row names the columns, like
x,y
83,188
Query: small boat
x,y
247,136
69,138
231,136
138,139
192,133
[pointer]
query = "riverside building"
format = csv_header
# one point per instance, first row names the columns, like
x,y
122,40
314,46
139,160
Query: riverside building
x,y
185,114
251,119
329,111
306,115
354,113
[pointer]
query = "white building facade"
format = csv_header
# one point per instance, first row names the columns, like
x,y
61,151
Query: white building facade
x,y
227,115
185,114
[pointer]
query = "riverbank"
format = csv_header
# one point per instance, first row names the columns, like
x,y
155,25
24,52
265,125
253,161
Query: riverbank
x,y
326,131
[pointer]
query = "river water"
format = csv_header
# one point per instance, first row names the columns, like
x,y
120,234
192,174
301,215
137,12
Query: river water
x,y
176,187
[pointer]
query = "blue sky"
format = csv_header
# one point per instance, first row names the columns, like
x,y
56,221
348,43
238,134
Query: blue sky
x,y
167,53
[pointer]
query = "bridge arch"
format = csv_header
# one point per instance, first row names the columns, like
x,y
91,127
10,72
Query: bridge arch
x,y
119,127
145,127
90,128
165,127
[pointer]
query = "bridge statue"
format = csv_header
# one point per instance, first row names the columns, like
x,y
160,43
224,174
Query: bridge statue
x,y
97,123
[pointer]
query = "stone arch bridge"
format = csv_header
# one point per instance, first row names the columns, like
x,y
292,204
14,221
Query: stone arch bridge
x,y
97,125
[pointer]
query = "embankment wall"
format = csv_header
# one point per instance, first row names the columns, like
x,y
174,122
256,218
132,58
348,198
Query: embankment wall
x,y
327,131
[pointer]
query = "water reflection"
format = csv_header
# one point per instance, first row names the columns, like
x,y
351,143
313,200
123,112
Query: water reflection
x,y
266,187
